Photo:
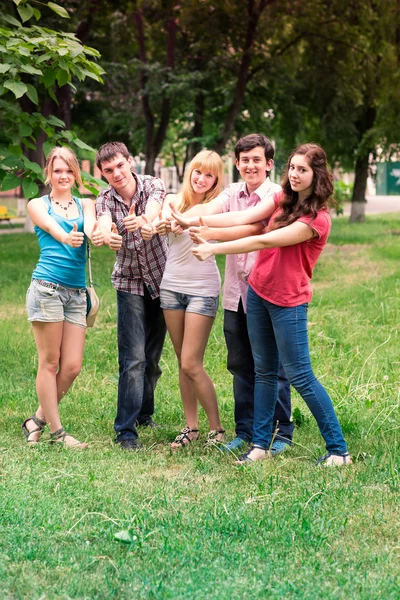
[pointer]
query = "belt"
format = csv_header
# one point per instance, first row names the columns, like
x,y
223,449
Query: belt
x,y
55,286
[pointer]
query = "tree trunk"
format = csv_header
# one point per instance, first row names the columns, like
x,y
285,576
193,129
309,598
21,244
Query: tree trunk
x,y
254,11
155,138
358,200
195,146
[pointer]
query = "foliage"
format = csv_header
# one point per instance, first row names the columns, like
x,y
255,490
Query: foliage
x,y
35,61
192,524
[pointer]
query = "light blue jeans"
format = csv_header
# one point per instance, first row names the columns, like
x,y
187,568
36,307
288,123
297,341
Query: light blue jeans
x,y
275,333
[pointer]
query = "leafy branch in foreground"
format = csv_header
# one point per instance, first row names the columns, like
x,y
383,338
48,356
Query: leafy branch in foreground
x,y
35,63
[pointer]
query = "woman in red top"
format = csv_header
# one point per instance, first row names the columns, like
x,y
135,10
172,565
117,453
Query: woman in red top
x,y
279,294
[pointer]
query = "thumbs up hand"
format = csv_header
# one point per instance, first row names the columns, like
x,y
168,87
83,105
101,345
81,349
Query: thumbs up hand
x,y
204,250
201,231
164,225
132,222
115,242
97,236
148,229
75,238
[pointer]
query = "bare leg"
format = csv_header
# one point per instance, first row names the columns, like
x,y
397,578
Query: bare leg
x,y
71,357
175,321
196,333
59,345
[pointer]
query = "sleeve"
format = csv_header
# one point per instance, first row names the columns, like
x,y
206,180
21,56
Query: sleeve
x,y
102,206
154,190
321,224
224,199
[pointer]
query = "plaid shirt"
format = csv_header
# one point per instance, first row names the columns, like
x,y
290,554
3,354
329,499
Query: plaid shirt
x,y
139,263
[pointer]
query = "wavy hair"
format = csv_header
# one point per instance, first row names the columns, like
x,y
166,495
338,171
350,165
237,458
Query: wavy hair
x,y
70,160
206,160
322,188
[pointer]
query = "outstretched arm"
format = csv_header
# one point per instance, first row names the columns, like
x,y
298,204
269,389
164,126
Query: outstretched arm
x,y
286,236
38,212
224,234
263,210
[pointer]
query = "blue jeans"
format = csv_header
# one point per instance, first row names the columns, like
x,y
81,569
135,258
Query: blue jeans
x,y
275,333
141,334
241,365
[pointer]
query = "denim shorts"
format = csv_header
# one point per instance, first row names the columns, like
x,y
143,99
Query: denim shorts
x,y
201,305
56,304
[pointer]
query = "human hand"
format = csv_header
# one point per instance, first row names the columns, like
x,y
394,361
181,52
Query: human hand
x,y
163,226
133,222
115,241
204,250
148,229
176,229
201,231
97,236
179,218
75,238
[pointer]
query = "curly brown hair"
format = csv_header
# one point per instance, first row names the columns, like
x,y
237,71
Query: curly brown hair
x,y
322,188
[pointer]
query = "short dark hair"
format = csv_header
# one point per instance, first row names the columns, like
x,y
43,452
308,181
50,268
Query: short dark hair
x,y
248,142
109,151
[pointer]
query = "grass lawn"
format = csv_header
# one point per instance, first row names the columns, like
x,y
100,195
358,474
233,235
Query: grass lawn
x,y
196,526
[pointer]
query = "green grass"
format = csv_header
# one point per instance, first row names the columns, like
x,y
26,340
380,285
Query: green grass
x,y
199,526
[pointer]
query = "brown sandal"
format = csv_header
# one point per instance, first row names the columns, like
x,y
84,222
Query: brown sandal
x,y
39,424
182,440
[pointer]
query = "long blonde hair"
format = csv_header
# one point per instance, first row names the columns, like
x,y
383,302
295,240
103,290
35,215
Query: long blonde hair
x,y
70,160
206,160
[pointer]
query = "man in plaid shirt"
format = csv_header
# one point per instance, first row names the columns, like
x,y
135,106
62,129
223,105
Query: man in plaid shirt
x,y
122,209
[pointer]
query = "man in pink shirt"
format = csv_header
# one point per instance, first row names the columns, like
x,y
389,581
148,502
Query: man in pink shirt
x,y
254,159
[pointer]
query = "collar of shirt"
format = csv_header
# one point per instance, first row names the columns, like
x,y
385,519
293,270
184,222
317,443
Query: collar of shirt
x,y
139,190
255,197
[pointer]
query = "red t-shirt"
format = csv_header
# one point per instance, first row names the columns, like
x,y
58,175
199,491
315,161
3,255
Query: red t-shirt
x,y
282,275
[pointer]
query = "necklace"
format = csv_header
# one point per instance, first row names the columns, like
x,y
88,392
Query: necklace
x,y
70,203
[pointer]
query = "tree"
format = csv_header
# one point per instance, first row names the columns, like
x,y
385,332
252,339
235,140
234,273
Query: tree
x,y
36,61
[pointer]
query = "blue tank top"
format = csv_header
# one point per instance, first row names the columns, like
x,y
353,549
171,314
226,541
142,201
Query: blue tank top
x,y
59,263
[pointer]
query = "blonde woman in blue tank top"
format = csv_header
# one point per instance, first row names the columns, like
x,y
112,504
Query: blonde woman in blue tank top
x,y
56,298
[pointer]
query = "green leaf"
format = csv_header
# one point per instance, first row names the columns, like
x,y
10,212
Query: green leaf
x,y
10,182
5,67
82,145
29,188
16,87
29,144
31,70
47,148
52,120
59,10
125,536
25,130
62,51
12,162
16,150
52,95
32,166
16,2
37,14
11,20
32,94
49,78
62,77
68,135
25,12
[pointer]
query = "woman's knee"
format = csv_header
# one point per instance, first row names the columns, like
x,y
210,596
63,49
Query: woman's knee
x,y
70,371
191,368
